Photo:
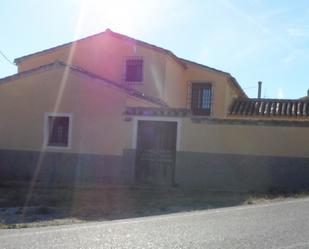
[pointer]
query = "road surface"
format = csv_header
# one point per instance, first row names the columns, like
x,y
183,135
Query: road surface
x,y
278,225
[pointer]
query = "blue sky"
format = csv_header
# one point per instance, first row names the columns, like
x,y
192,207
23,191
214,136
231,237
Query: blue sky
x,y
253,40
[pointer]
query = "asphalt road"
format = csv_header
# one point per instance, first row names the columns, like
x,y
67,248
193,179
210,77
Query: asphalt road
x,y
277,225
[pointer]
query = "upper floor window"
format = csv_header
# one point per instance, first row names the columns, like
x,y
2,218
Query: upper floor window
x,y
134,70
57,130
201,98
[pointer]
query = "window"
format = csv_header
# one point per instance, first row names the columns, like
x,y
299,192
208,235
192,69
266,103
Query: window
x,y
201,98
134,70
57,130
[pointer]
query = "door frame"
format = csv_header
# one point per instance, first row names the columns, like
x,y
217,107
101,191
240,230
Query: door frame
x,y
164,119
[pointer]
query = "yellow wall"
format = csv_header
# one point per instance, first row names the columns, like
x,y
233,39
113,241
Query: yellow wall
x,y
105,55
164,77
98,124
175,85
98,121
230,95
196,73
245,139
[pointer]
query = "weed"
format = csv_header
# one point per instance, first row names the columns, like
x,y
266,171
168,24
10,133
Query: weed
x,y
43,210
16,226
3,226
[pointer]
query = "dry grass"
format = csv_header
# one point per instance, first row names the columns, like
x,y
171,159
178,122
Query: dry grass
x,y
53,206
12,226
275,197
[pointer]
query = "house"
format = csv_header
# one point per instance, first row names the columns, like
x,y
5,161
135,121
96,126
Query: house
x,y
112,109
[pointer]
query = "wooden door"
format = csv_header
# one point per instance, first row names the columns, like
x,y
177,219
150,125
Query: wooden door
x,y
156,152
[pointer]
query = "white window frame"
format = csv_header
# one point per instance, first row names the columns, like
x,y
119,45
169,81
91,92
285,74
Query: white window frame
x,y
165,119
46,130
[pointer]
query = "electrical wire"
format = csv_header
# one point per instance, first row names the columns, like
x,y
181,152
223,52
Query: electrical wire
x,y
6,58
250,87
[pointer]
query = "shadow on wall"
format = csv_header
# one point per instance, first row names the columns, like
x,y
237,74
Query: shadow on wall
x,y
66,168
229,172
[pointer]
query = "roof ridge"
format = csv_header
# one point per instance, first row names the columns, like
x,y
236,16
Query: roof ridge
x,y
128,90
272,99
202,65
16,60
114,34
181,61
32,70
233,80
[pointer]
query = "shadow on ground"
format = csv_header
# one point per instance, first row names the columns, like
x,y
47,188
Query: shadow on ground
x,y
63,205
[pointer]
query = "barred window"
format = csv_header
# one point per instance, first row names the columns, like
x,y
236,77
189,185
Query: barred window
x,y
201,98
134,70
58,131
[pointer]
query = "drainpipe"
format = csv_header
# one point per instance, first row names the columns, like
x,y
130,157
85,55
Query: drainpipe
x,y
260,89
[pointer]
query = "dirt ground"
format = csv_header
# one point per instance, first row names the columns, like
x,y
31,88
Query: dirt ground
x,y
40,206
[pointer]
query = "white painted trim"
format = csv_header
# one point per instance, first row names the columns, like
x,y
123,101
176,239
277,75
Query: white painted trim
x,y
166,119
46,130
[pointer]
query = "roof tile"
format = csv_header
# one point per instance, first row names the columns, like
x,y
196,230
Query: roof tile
x,y
270,107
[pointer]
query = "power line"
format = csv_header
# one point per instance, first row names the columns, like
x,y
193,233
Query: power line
x,y
6,58
250,87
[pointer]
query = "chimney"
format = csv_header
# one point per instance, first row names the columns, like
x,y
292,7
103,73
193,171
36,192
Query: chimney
x,y
260,89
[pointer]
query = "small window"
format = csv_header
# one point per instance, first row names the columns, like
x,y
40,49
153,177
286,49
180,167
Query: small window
x,y
57,130
134,70
201,98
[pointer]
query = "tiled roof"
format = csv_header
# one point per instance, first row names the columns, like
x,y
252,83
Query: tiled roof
x,y
155,111
270,107
305,98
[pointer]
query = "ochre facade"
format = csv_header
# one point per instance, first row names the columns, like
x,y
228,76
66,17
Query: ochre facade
x,y
86,80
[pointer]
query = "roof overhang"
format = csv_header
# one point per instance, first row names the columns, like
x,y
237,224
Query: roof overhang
x,y
112,34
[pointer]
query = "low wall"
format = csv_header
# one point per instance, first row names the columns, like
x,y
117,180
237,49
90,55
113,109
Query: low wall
x,y
241,172
66,168
210,171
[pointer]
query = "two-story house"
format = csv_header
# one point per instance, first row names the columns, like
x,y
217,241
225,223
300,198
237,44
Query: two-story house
x,y
112,109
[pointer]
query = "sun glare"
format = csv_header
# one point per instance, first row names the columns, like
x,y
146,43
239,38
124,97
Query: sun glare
x,y
119,15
